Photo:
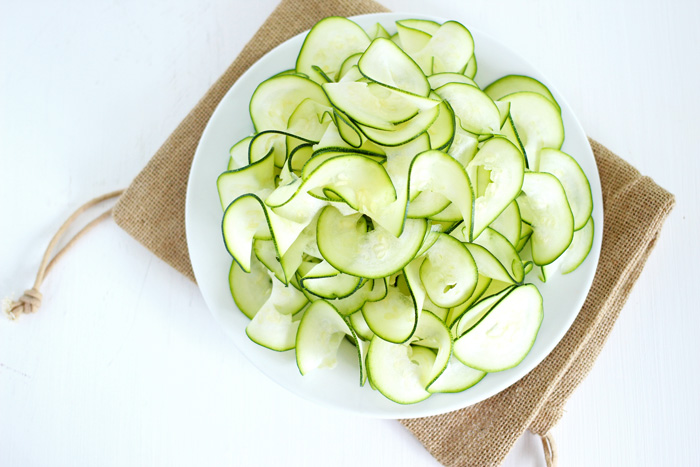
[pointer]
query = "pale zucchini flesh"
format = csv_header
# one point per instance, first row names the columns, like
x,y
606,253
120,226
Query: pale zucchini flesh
x,y
544,206
275,100
538,123
516,83
387,202
573,180
374,254
384,62
319,336
505,166
328,44
457,377
394,318
504,336
249,290
449,273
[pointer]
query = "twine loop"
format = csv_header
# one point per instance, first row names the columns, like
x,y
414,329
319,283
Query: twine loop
x,y
551,455
30,301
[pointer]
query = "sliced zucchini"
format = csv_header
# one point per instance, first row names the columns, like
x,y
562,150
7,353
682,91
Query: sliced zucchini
x,y
347,129
426,204
398,214
488,265
430,238
432,333
324,281
482,285
525,233
508,223
328,44
517,83
464,146
502,338
398,164
538,123
308,121
425,25
449,50
373,254
320,334
471,316
442,131
457,377
405,132
438,311
503,251
239,154
299,156
377,290
439,173
245,220
440,79
284,267
413,283
378,31
472,67
392,318
476,112
579,248
449,274
275,99
352,303
359,325
505,167
266,142
274,326
411,39
543,205
257,178
511,134
357,180
320,76
385,63
449,214
349,64
399,371
250,290
265,252
575,254
374,105
573,180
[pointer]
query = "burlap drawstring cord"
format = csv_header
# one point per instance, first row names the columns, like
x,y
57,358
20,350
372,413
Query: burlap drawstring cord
x,y
30,301
550,450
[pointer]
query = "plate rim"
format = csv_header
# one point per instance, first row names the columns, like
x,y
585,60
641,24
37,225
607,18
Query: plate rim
x,y
414,410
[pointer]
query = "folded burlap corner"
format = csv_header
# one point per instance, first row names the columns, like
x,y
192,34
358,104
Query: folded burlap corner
x,y
635,209
152,210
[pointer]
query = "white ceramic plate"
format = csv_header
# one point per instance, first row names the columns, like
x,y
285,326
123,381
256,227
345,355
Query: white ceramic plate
x,y
339,388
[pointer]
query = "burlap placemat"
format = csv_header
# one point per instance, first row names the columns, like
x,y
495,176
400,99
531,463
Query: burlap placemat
x,y
152,210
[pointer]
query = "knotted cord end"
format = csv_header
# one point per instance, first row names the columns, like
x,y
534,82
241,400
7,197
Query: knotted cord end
x,y
29,302
551,456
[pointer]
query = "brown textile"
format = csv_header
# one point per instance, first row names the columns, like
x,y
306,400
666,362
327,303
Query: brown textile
x,y
635,210
152,210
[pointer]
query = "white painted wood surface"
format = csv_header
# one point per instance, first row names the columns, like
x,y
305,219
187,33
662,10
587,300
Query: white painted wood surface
x,y
123,365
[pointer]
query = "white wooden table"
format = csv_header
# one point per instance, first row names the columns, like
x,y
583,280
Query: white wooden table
x,y
123,365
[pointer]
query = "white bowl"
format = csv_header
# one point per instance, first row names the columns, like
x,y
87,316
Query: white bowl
x,y
339,388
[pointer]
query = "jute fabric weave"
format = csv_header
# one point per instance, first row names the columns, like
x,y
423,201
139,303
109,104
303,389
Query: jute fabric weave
x,y
152,210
